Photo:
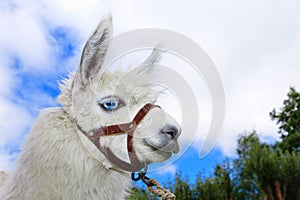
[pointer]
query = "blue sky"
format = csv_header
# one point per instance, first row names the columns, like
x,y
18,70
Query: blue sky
x,y
255,46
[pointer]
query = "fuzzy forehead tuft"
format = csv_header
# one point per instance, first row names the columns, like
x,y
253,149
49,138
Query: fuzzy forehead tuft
x,y
135,84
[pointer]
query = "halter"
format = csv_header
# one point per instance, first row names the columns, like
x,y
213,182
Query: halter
x,y
119,129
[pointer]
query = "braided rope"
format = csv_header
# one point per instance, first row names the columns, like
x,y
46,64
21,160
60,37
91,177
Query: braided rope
x,y
163,193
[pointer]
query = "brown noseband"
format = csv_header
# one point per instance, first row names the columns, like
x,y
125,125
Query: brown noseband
x,y
119,129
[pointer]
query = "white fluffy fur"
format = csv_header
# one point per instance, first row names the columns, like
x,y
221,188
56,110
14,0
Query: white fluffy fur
x,y
57,163
3,177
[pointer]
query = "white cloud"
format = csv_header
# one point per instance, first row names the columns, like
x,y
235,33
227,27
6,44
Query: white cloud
x,y
23,36
14,120
255,46
6,77
168,169
81,15
7,160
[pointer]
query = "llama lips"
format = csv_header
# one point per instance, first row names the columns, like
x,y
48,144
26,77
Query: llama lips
x,y
170,146
173,147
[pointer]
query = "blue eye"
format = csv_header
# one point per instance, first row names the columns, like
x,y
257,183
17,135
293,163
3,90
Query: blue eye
x,y
109,104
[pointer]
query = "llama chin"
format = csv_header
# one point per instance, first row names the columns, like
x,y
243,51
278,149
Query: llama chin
x,y
71,151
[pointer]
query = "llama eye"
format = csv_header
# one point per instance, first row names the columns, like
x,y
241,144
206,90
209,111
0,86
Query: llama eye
x,y
110,104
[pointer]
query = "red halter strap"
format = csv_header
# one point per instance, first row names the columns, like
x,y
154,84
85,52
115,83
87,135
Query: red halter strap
x,y
119,129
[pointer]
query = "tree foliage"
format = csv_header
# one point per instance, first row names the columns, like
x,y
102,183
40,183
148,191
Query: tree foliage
x,y
137,193
288,118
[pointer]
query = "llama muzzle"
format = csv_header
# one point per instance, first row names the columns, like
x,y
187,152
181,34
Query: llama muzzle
x,y
128,128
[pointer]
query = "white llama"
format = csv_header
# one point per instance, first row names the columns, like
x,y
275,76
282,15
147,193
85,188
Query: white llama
x,y
79,151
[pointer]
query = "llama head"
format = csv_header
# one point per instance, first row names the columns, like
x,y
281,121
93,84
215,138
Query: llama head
x,y
96,98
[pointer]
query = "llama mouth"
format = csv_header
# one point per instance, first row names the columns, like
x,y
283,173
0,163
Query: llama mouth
x,y
168,147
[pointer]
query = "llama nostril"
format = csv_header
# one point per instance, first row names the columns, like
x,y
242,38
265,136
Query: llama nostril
x,y
170,130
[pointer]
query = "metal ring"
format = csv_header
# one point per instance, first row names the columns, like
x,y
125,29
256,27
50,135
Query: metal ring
x,y
134,178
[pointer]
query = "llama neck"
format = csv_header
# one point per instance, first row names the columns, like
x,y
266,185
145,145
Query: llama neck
x,y
55,165
117,143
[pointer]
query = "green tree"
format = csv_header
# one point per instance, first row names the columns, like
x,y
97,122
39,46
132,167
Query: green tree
x,y
137,193
209,189
267,166
182,188
288,119
291,167
275,173
222,177
244,180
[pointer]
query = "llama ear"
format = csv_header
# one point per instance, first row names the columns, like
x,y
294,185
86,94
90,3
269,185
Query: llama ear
x,y
94,51
155,56
152,59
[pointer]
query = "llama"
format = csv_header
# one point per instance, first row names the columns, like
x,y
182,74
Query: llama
x,y
79,151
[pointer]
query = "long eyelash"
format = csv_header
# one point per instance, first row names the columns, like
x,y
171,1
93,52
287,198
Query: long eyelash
x,y
110,97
